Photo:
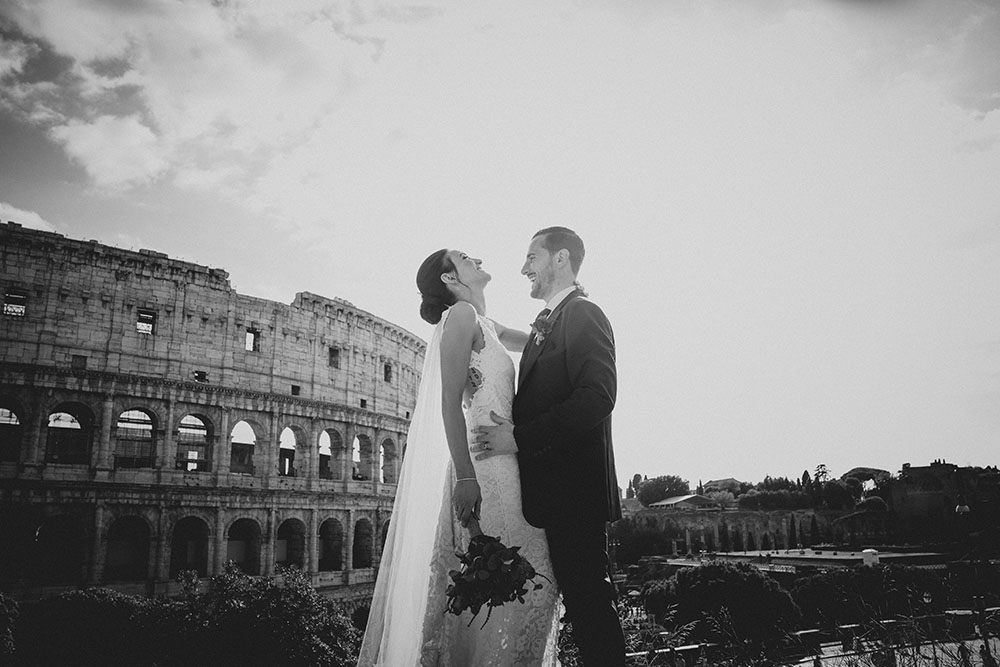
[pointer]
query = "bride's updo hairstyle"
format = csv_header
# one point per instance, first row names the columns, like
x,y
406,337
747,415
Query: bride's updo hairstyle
x,y
435,295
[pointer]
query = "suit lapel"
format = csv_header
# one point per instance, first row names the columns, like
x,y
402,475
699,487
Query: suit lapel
x,y
531,351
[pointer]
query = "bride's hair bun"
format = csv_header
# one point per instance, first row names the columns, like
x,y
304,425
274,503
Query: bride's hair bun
x,y
435,295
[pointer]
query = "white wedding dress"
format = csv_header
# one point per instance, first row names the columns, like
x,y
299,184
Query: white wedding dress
x,y
516,635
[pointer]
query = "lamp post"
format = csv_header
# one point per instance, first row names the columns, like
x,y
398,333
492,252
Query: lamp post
x,y
930,627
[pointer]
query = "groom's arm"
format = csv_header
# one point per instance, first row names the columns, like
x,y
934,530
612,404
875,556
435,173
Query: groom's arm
x,y
512,339
590,364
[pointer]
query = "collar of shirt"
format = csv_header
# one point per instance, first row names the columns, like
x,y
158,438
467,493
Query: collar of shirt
x,y
559,297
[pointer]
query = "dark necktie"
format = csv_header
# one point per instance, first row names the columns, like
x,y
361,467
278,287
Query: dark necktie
x,y
542,315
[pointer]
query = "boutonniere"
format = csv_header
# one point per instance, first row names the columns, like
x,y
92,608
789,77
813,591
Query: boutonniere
x,y
540,328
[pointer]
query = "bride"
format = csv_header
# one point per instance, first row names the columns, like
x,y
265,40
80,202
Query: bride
x,y
444,497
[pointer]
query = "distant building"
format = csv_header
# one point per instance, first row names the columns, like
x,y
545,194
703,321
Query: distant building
x,y
153,420
688,502
730,484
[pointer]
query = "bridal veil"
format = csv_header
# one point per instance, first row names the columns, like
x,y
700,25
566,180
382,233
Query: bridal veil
x,y
394,633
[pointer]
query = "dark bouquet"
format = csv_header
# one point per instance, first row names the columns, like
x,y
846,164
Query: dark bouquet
x,y
491,575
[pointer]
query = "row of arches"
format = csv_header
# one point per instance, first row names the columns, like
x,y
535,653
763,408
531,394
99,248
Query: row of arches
x,y
55,550
785,532
69,434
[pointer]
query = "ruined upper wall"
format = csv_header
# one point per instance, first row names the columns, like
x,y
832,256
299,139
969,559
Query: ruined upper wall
x,y
90,306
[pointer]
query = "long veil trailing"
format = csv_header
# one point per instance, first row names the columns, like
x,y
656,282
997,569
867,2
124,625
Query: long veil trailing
x,y
395,624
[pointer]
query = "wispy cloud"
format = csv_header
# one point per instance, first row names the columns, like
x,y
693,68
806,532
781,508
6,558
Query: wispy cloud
x,y
10,213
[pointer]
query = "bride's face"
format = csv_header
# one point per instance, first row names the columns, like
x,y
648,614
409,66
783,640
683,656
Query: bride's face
x,y
468,270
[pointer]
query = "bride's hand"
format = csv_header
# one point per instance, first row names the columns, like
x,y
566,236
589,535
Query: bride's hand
x,y
467,499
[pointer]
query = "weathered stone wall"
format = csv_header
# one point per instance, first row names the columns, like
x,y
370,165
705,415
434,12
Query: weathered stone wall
x,y
96,332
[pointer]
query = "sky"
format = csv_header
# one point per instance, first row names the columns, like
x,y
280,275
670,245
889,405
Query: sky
x,y
791,209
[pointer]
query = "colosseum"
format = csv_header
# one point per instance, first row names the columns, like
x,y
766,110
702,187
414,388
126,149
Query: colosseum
x,y
154,420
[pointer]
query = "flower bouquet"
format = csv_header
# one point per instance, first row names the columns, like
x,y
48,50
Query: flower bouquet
x,y
492,574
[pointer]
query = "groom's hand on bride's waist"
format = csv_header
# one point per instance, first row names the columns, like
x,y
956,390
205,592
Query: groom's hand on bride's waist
x,y
497,440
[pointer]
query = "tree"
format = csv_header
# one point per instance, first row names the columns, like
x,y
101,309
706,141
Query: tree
x,y
754,606
821,474
837,496
658,488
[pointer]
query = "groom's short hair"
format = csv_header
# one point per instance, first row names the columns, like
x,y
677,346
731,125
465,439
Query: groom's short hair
x,y
555,239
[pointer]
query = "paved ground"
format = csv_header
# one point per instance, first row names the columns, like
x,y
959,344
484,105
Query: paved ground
x,y
925,655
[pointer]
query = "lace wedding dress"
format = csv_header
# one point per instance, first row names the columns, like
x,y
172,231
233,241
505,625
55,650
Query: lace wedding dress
x,y
517,635
408,625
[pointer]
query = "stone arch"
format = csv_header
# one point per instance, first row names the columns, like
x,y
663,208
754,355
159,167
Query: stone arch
x,y
363,546
289,444
244,437
362,458
189,546
331,546
58,555
127,552
194,435
12,419
243,540
388,466
331,454
135,439
766,543
290,547
69,434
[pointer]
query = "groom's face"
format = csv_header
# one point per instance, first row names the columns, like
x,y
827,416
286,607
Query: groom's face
x,y
539,270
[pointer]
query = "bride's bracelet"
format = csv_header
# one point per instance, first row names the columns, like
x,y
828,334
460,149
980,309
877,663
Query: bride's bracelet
x,y
466,479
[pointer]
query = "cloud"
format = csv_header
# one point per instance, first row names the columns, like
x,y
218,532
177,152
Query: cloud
x,y
116,152
10,213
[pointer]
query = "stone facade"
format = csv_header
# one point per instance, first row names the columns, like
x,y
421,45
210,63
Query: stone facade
x,y
154,420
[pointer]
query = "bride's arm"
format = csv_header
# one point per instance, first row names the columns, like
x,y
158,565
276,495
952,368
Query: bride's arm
x,y
456,350
512,339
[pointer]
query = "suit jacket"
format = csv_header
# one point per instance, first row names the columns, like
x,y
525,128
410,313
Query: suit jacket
x,y
562,419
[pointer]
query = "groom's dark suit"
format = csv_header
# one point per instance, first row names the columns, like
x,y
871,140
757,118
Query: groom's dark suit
x,y
562,425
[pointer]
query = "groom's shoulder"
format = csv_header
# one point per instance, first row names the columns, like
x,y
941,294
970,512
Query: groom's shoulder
x,y
582,305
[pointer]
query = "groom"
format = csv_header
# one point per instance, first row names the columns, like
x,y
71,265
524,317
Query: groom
x,y
561,432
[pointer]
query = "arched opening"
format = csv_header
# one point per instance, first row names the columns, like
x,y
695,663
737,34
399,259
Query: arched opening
x,y
361,458
751,542
242,443
331,454
69,434
189,547
362,556
738,540
134,440
243,545
724,543
387,461
286,453
194,449
58,553
290,547
331,546
10,435
127,557
766,544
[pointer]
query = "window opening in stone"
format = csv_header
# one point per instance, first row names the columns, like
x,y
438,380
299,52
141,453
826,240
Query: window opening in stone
x,y
15,303
10,435
127,558
289,548
387,461
193,445
145,322
363,543
387,373
331,553
68,438
243,439
243,546
296,390
134,440
331,446
78,362
200,376
286,453
189,547
252,342
334,359
364,403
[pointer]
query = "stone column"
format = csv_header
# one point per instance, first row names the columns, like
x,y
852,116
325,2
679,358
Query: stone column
x,y
97,553
311,561
167,453
219,542
310,457
267,547
687,540
220,452
348,561
347,453
266,453
161,568
34,432
101,455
